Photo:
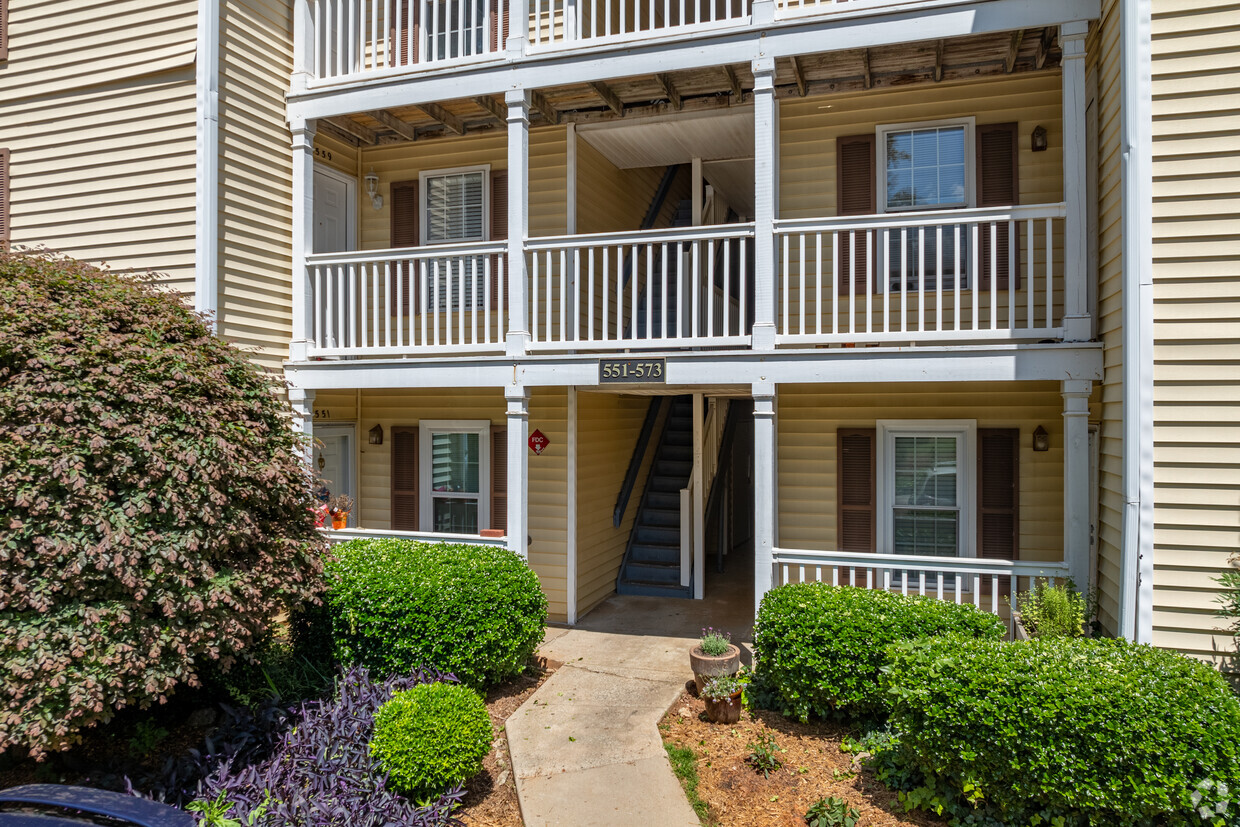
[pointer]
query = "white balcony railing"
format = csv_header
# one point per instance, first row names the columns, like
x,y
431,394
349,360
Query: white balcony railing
x,y
590,22
662,288
339,535
391,302
983,583
979,274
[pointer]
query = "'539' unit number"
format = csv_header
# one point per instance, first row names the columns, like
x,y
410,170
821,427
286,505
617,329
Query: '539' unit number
x,y
632,370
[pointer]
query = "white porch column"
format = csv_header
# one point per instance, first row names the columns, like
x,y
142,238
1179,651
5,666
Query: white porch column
x,y
1076,479
518,27
302,401
518,101
765,197
303,238
764,447
1075,191
518,470
699,511
303,44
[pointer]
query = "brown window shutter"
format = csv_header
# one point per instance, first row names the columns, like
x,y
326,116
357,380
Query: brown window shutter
x,y
499,232
856,491
998,496
499,478
405,476
4,31
499,26
405,233
403,27
4,197
998,185
855,171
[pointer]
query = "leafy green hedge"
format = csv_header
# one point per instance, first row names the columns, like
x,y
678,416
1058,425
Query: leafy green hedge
x,y
1093,732
476,611
431,737
820,648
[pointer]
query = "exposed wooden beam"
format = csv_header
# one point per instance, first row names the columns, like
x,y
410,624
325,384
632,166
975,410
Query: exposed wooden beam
x,y
705,103
1044,47
401,128
1018,37
609,97
437,113
669,89
327,128
938,61
549,112
734,82
799,75
363,134
488,103
865,67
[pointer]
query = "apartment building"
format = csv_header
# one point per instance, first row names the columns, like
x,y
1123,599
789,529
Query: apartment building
x,y
927,295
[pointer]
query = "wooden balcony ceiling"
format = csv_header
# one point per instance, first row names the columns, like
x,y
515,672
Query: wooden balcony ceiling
x,y
717,87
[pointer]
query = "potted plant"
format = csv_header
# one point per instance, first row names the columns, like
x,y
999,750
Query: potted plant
x,y
722,695
339,507
713,655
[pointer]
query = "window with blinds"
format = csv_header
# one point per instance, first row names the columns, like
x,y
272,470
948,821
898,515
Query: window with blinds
x,y
456,492
454,211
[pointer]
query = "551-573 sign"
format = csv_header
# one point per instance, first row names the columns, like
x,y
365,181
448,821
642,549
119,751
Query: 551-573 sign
x,y
619,371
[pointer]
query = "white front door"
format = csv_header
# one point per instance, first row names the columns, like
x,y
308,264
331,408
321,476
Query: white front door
x,y
333,462
333,210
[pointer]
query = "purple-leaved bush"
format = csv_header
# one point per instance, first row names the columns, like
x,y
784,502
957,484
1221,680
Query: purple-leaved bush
x,y
319,772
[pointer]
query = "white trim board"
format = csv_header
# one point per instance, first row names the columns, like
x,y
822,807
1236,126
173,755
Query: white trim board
x,y
207,160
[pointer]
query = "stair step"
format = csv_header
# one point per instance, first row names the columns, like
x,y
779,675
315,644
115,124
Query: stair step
x,y
657,535
676,468
652,573
655,553
682,453
652,589
664,500
655,516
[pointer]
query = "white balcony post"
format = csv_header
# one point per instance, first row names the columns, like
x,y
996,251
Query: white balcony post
x,y
518,27
764,447
518,470
303,44
1076,479
763,12
303,238
698,504
518,101
766,195
302,401
1076,321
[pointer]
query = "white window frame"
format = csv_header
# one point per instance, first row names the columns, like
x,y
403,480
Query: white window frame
x,y
424,223
966,475
970,161
426,430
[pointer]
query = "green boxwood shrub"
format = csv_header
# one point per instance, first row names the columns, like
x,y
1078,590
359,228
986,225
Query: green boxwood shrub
x,y
431,737
475,611
1093,732
820,648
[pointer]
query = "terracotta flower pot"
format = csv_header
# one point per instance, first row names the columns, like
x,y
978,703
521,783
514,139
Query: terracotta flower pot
x,y
340,520
712,666
726,711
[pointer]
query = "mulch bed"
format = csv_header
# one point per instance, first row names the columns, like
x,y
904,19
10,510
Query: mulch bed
x,y
813,767
491,797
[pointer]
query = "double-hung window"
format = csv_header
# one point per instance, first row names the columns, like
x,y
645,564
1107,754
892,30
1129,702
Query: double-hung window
x,y
926,488
455,468
454,211
926,167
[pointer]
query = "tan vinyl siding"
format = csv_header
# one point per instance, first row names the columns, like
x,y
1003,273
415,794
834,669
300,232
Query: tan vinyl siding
x,y
1196,210
102,164
548,489
808,416
256,196
614,200
607,429
1104,55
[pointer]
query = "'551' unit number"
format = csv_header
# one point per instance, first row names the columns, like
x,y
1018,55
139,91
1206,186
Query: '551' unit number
x,y
611,371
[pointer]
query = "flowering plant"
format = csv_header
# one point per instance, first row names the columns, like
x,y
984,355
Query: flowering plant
x,y
340,504
714,642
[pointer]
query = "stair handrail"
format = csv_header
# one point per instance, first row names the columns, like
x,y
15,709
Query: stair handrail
x,y
727,437
635,462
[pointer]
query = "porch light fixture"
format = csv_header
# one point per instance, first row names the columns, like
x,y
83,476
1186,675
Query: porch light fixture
x,y
1041,439
372,189
1038,140
376,435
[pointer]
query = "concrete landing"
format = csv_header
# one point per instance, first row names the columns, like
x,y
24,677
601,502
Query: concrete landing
x,y
585,747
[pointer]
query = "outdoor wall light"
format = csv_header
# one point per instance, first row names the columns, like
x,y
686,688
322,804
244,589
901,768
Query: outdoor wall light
x,y
1038,140
372,189
1041,439
376,435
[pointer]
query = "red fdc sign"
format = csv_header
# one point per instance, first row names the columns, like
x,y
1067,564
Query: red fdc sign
x,y
538,442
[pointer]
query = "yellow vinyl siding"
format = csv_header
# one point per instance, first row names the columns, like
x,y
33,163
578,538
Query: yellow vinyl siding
x,y
808,416
607,429
1104,54
256,196
1196,211
615,200
548,488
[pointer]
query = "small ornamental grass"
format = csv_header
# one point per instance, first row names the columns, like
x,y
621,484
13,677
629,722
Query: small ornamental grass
x,y
714,642
820,649
476,611
431,737
1062,731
